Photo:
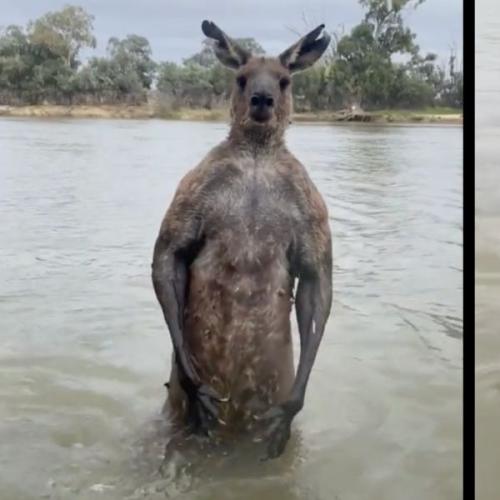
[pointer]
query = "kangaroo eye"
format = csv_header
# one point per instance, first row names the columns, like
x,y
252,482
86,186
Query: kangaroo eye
x,y
284,82
241,81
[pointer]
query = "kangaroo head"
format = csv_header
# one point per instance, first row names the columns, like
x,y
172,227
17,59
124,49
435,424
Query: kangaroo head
x,y
262,98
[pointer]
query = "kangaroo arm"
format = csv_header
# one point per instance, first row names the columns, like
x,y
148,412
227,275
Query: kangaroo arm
x,y
170,280
312,304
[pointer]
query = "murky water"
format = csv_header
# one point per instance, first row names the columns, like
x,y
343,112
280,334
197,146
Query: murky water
x,y
84,350
487,249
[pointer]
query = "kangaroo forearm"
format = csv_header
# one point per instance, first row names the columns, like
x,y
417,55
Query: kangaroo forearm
x,y
170,282
312,314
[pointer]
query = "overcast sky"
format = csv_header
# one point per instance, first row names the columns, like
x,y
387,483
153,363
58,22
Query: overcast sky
x,y
173,27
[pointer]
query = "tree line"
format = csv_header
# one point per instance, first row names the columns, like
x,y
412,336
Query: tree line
x,y
40,63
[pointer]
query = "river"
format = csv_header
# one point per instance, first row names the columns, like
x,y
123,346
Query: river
x,y
487,224
84,351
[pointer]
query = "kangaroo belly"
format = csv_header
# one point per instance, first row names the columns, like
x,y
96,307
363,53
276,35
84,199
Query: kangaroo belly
x,y
237,324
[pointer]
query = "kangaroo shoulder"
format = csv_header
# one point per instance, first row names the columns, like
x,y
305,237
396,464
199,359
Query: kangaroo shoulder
x,y
309,194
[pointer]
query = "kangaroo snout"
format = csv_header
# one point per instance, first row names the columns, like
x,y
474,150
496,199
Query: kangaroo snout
x,y
261,106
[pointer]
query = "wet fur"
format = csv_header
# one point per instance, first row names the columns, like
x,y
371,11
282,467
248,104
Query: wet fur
x,y
237,318
248,222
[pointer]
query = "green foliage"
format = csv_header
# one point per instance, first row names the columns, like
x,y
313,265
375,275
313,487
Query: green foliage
x,y
15,57
132,57
206,56
40,63
31,69
364,72
311,89
363,68
452,88
64,32
191,83
98,74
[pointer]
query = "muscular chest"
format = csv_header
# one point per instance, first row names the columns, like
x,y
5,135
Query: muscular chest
x,y
252,200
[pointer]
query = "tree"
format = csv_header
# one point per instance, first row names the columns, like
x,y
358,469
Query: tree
x,y
133,57
205,57
387,21
32,71
168,78
14,57
451,92
97,76
363,70
13,41
64,32
41,63
310,88
220,79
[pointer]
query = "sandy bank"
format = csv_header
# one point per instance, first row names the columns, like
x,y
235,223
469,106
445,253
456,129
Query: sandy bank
x,y
147,111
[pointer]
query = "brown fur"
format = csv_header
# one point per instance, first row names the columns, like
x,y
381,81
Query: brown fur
x,y
257,223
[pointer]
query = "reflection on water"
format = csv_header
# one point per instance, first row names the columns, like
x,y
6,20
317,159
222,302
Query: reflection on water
x,y
84,351
487,250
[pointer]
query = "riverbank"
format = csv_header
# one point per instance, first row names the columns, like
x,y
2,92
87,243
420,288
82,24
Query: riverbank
x,y
431,115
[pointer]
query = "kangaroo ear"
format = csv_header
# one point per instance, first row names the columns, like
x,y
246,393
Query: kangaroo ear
x,y
227,51
306,51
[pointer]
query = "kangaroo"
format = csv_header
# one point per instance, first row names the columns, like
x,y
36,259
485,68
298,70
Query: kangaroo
x,y
244,226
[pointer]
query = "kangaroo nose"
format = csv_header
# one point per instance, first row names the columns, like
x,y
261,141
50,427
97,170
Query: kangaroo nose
x,y
261,100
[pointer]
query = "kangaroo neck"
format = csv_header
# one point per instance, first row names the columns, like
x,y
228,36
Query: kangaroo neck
x,y
257,140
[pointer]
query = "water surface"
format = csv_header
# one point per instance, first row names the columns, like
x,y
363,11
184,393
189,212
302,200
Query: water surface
x,y
487,249
84,350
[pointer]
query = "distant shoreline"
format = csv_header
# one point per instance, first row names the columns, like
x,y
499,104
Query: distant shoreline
x,y
428,116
